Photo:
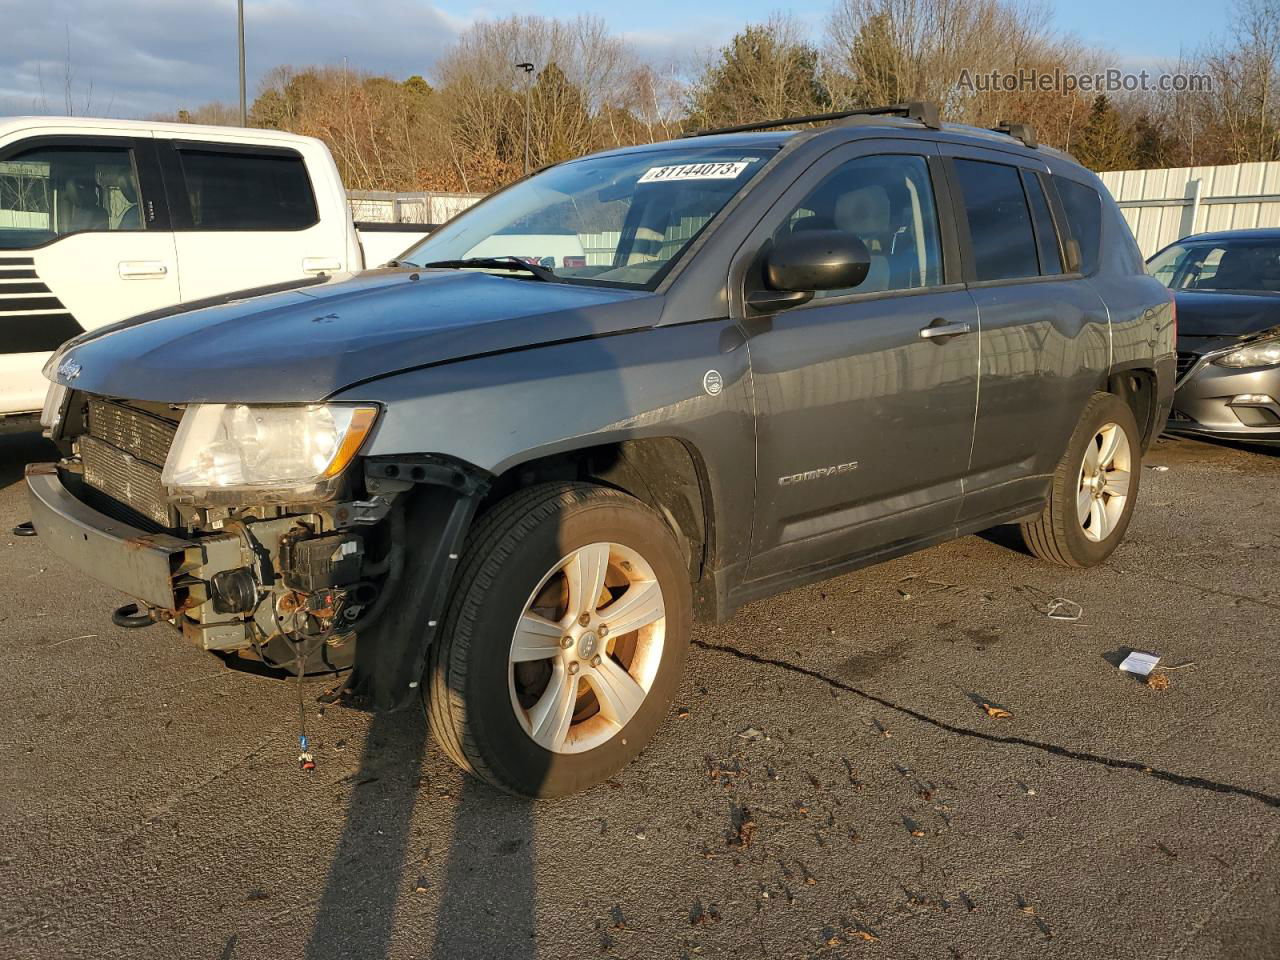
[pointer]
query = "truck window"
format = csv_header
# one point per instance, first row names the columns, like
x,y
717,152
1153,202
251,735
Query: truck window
x,y
248,191
1003,241
50,192
887,202
1084,215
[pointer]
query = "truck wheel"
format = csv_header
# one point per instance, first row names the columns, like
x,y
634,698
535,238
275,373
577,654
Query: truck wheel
x,y
564,640
1094,488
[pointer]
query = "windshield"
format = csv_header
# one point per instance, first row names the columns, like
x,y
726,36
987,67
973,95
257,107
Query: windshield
x,y
1247,265
621,219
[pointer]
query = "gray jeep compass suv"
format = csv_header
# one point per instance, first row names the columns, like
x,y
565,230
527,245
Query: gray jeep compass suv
x,y
507,472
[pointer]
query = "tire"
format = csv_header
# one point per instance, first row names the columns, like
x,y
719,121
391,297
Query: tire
x,y
1061,534
485,708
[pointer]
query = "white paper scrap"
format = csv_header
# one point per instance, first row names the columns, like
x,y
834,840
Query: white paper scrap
x,y
1140,663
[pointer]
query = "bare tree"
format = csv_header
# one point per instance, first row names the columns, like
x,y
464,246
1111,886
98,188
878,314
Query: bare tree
x,y
889,51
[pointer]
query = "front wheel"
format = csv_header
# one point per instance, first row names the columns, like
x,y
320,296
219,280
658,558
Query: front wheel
x,y
564,641
1094,488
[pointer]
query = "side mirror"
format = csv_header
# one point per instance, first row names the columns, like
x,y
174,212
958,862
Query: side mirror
x,y
808,261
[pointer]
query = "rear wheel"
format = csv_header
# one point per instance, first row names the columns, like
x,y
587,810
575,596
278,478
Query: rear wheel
x,y
564,641
1094,488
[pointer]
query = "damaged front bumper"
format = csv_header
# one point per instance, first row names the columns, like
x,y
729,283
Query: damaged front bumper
x,y
258,585
1228,404
143,565
172,575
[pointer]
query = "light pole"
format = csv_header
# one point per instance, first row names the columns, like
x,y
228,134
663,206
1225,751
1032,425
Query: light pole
x,y
528,86
244,113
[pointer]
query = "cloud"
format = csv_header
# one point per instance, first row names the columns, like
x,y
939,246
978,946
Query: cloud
x,y
684,47
137,57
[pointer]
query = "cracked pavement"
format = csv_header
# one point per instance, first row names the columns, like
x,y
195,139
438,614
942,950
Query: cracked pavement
x,y
828,784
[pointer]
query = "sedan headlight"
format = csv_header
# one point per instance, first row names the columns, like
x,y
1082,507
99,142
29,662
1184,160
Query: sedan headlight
x,y
1264,353
280,453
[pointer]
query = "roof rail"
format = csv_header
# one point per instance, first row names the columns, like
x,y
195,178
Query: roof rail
x,y
1019,131
922,111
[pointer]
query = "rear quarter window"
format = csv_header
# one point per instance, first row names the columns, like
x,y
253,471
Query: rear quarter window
x,y
1083,208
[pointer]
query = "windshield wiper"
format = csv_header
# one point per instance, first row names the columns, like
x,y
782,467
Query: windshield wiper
x,y
493,263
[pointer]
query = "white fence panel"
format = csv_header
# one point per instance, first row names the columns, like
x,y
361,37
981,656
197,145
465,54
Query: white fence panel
x,y
1162,206
381,206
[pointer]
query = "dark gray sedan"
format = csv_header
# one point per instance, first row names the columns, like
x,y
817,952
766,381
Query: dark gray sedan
x,y
1227,288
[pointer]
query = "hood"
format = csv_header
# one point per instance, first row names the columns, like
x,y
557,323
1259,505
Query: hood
x,y
307,343
1205,313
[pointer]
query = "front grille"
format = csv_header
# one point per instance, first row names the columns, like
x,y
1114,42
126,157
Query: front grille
x,y
134,431
1185,362
123,453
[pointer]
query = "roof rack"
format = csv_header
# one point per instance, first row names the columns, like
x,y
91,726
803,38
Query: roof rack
x,y
1019,131
920,110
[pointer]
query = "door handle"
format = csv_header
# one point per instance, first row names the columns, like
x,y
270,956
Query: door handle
x,y
940,329
142,270
321,265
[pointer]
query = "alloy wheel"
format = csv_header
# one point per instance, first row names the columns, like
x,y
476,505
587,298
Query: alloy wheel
x,y
1105,481
587,648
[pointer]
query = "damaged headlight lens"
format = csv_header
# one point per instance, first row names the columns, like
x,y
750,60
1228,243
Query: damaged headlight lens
x,y
1264,353
223,446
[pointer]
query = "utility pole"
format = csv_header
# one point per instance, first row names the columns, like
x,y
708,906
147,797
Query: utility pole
x,y
244,113
528,88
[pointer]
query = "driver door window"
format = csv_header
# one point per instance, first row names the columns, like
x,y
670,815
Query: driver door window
x,y
887,203
53,191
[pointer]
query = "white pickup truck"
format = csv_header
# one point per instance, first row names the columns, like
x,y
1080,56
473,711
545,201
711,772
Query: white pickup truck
x,y
106,219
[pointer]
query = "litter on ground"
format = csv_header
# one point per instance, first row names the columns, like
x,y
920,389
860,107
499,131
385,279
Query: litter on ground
x,y
1140,664
1060,608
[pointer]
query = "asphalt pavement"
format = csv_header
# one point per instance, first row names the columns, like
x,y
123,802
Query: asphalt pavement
x,y
829,784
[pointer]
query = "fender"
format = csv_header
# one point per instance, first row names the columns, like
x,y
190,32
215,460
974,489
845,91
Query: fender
x,y
496,412
439,499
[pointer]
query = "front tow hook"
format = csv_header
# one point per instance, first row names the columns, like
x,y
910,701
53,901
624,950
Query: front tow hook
x,y
133,617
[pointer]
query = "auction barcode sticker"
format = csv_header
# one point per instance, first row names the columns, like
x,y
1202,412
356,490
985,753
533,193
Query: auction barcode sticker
x,y
720,170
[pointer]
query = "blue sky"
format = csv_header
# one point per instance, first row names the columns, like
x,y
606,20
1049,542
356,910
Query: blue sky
x,y
136,57
1138,30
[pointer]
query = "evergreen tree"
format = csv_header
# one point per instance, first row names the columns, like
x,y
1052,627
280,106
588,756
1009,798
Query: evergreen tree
x,y
1105,144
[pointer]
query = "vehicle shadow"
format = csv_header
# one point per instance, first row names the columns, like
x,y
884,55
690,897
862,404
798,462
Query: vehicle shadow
x,y
19,449
356,913
1007,535
485,902
1261,449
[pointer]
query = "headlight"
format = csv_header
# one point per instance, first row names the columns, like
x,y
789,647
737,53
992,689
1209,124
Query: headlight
x,y
55,401
282,452
1264,353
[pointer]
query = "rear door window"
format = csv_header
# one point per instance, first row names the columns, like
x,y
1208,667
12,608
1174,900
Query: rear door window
x,y
247,191
1046,234
1001,236
1083,207
49,192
